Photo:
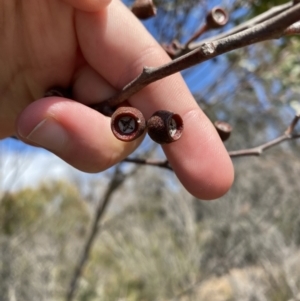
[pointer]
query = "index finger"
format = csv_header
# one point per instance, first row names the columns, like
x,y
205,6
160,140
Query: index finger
x,y
117,46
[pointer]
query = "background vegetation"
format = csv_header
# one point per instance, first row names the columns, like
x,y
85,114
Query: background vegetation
x,y
156,241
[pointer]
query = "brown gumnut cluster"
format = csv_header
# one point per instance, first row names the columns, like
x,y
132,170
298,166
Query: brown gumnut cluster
x,y
163,127
216,18
128,123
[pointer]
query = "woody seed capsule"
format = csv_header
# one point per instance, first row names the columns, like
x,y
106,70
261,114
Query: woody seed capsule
x,y
217,18
165,127
144,9
127,123
224,129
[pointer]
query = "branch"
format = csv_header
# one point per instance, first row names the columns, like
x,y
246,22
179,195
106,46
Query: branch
x,y
255,151
114,184
178,50
151,162
274,11
270,29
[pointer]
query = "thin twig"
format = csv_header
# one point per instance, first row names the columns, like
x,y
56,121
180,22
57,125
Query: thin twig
x,y
151,162
115,182
181,50
291,128
272,12
196,35
255,151
270,29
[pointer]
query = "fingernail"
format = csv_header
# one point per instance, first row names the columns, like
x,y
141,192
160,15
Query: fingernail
x,y
49,134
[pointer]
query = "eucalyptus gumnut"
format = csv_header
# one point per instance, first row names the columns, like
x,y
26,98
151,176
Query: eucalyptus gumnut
x,y
224,129
127,123
217,18
165,127
143,9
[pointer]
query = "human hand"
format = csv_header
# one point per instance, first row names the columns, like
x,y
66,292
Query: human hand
x,y
96,50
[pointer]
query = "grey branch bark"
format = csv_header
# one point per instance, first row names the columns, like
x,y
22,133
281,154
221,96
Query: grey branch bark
x,y
270,29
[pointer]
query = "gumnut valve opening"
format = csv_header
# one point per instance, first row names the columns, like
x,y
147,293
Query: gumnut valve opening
x,y
127,123
217,18
224,129
165,127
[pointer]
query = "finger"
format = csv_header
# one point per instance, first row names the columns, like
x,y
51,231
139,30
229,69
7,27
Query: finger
x,y
117,46
74,132
89,87
88,5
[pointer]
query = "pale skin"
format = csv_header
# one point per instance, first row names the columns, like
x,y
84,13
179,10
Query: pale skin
x,y
96,46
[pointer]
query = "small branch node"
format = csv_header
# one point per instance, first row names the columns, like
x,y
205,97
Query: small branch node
x,y
259,151
147,70
208,49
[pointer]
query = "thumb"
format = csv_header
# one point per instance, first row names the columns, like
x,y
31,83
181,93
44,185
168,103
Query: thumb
x,y
77,134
